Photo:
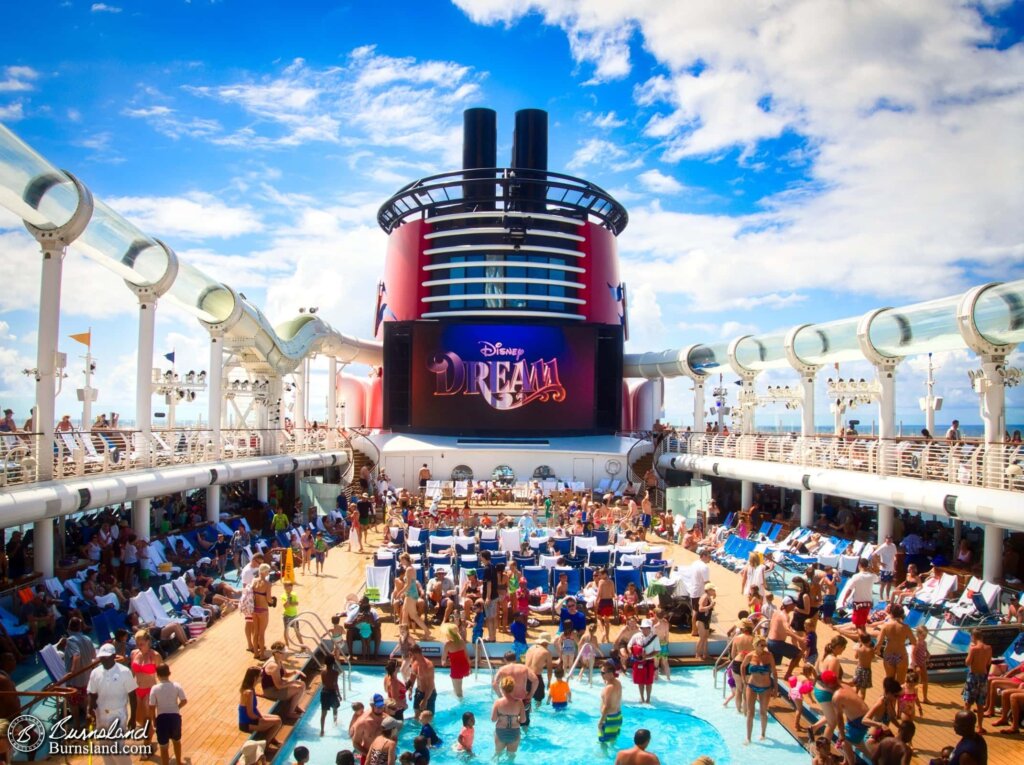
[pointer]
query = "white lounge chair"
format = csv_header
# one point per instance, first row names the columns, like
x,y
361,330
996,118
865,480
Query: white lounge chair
x,y
379,578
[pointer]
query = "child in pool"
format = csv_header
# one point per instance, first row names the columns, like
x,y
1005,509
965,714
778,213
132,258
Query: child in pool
x,y
427,731
465,743
589,651
730,680
566,643
357,712
799,687
405,642
559,694
479,619
519,635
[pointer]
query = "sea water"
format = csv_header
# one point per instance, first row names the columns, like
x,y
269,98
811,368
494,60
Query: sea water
x,y
686,720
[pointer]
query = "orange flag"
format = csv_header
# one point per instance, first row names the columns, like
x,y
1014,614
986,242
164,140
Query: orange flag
x,y
85,338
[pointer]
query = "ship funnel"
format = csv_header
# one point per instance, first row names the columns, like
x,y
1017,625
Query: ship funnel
x,y
479,150
530,160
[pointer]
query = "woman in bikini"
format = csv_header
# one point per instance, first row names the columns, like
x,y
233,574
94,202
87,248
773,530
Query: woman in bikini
x,y
412,593
508,715
742,645
908,588
261,595
823,690
250,720
144,661
758,673
892,644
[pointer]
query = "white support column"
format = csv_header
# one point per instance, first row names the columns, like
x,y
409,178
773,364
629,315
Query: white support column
x,y
886,434
215,379
46,356
261,489
42,547
698,405
807,430
807,508
748,413
746,495
144,374
992,556
993,416
299,408
332,401
141,521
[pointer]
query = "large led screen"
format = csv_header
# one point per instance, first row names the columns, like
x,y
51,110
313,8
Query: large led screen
x,y
502,378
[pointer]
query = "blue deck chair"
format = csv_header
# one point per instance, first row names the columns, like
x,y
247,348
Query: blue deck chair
x,y
653,555
563,546
488,544
601,535
600,558
538,576
437,547
766,526
773,533
437,559
499,557
728,520
588,575
524,560
467,561
443,532
465,548
655,566
626,574
414,548
574,576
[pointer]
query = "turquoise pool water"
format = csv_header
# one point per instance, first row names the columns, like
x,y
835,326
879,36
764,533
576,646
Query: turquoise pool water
x,y
687,720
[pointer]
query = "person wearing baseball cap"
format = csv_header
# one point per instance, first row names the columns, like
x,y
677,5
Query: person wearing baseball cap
x,y
779,631
643,647
366,729
112,697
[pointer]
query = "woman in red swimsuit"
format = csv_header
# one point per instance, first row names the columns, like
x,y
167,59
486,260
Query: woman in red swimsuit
x,y
454,652
144,660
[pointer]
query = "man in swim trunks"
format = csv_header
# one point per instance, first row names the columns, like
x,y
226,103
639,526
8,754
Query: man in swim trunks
x,y
778,631
860,592
422,679
537,660
526,681
610,722
853,708
643,649
638,754
605,601
979,661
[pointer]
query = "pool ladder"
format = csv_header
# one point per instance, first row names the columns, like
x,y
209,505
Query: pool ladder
x,y
306,617
722,662
476,659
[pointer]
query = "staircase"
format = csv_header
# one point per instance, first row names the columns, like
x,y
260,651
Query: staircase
x,y
358,460
638,468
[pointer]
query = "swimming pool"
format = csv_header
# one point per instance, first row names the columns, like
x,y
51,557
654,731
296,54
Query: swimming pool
x,y
687,720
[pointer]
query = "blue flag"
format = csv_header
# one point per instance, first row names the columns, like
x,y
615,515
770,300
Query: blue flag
x,y
169,356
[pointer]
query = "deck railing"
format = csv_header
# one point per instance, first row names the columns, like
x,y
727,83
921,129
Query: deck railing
x,y
79,454
966,463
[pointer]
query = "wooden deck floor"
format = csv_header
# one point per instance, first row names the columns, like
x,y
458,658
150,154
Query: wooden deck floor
x,y
211,670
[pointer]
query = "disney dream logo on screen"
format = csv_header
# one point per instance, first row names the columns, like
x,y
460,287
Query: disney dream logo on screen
x,y
505,379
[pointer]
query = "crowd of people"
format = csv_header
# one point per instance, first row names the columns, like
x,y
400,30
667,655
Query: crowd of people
x,y
775,637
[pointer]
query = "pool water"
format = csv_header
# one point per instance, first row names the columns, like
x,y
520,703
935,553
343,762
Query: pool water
x,y
686,721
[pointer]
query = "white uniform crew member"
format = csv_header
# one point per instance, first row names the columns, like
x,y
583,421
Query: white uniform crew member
x,y
112,699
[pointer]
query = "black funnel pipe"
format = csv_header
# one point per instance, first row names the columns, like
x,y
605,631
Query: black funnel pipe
x,y
530,159
530,140
479,150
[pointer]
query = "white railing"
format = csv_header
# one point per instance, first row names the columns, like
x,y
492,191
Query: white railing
x,y
79,454
476,659
967,463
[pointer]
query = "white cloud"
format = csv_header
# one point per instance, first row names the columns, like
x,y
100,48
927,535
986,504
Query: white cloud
x,y
12,112
195,215
605,121
104,8
595,151
659,183
18,78
371,100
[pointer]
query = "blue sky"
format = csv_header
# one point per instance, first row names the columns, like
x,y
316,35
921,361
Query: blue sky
x,y
796,163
